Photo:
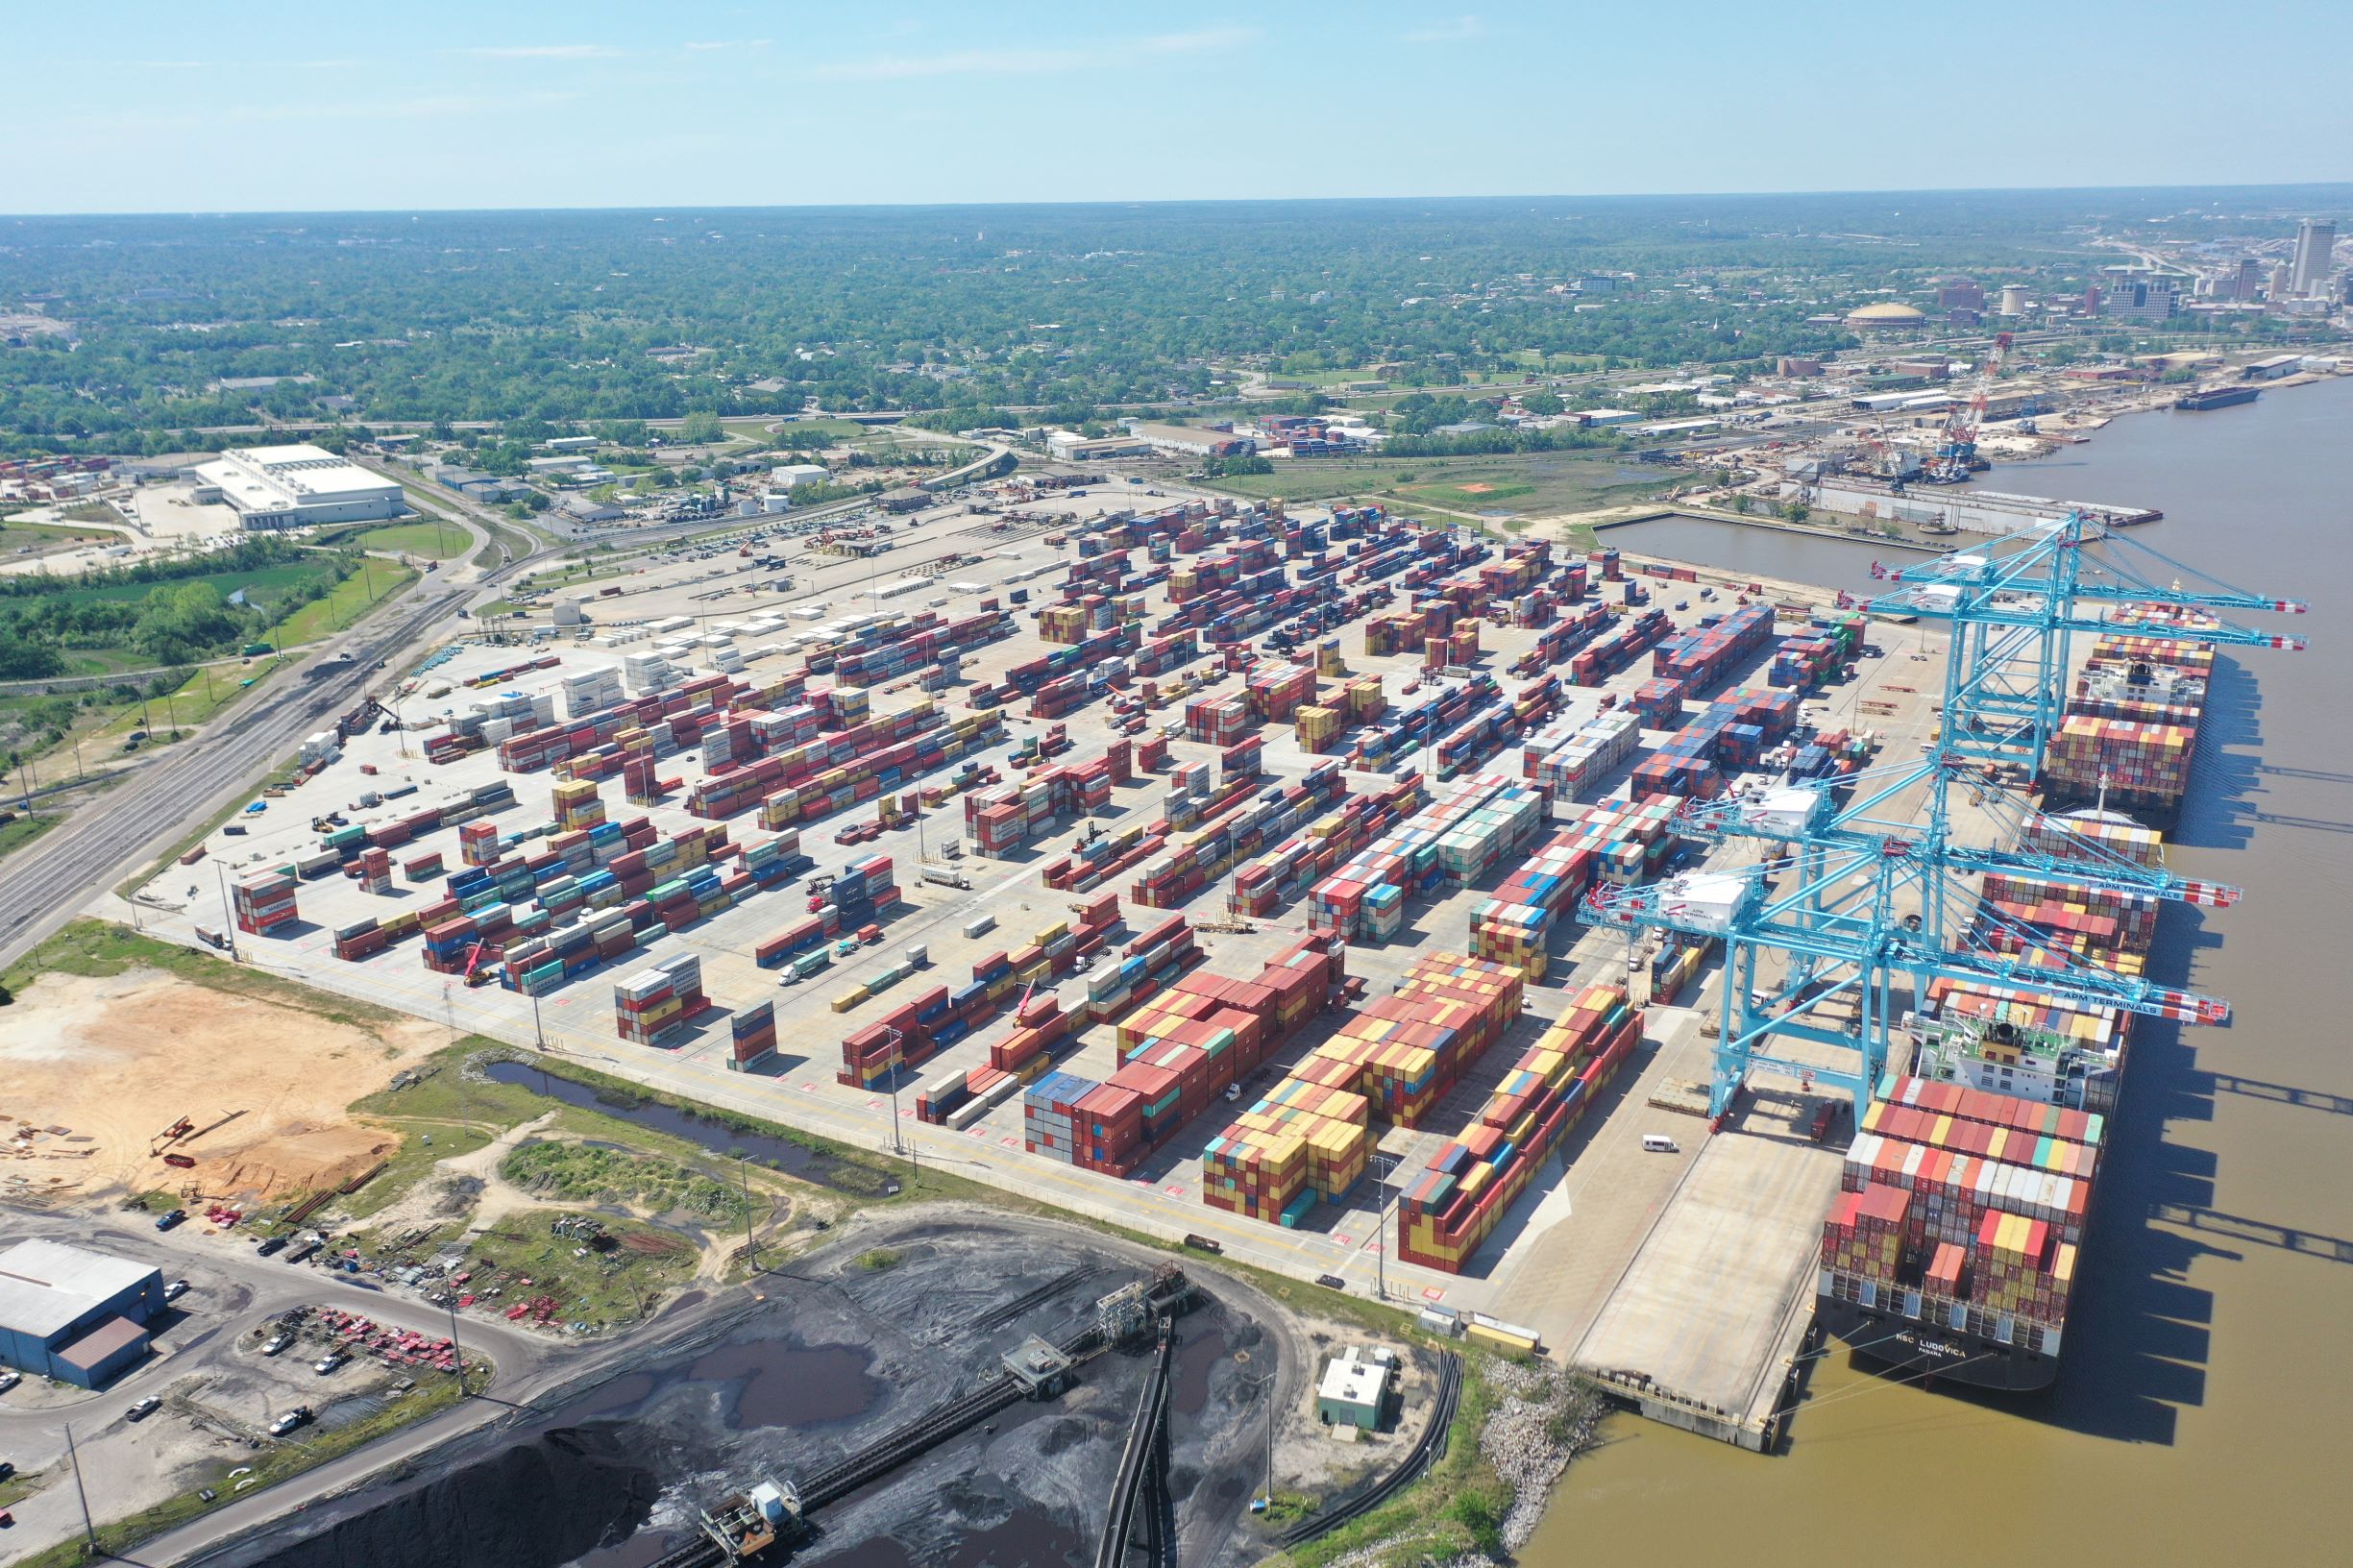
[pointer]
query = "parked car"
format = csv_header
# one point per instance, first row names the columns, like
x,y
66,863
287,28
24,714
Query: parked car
x,y
279,1343
144,1409
175,1290
9,1377
164,1222
329,1363
269,1244
287,1422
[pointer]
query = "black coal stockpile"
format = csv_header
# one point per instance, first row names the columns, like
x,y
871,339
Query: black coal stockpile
x,y
531,1505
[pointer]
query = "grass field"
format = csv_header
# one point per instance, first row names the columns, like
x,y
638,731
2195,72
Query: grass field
x,y
434,540
352,598
38,536
15,835
259,583
1530,485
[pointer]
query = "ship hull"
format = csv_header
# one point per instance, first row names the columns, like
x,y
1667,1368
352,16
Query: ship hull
x,y
1919,1350
2226,397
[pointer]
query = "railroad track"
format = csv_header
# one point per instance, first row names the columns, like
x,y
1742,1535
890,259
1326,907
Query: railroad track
x,y
1428,1452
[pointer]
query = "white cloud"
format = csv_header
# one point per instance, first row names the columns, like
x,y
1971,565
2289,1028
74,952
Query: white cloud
x,y
546,50
1461,30
326,65
729,43
1033,61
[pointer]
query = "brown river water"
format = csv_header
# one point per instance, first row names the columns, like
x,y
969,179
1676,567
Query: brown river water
x,y
2205,1410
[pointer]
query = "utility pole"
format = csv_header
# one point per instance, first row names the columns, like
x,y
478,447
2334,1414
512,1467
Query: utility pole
x,y
456,1353
538,1030
229,914
1267,1385
751,1249
90,1531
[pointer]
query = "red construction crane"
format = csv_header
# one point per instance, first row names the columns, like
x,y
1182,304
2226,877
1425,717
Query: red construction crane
x,y
1958,451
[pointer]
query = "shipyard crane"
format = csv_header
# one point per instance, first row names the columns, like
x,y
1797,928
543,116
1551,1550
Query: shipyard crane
x,y
2015,603
1848,924
1958,452
1863,895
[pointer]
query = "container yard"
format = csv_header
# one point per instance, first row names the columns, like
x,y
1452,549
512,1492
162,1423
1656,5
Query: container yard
x,y
1232,899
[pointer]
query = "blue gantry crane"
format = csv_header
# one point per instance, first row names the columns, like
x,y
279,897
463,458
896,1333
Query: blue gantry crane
x,y
1860,885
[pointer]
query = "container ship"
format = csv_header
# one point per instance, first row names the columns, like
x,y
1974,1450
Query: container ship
x,y
2206,398
1953,1247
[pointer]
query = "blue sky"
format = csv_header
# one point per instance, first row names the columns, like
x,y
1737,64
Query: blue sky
x,y
185,107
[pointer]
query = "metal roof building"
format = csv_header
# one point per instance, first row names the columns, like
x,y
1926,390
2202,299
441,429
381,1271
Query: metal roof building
x,y
73,1314
297,486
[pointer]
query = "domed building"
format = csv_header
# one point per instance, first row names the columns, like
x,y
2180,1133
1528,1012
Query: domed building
x,y
1886,316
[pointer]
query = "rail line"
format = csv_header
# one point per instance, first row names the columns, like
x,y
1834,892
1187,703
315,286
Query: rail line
x,y
1143,1465
1429,1451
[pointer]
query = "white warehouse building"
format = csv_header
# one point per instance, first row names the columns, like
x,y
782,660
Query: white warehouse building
x,y
296,487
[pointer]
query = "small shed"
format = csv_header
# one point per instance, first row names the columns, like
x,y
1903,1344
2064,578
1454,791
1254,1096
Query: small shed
x,y
1355,1389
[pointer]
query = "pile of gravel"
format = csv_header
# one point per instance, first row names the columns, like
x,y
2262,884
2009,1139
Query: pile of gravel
x,y
1546,1420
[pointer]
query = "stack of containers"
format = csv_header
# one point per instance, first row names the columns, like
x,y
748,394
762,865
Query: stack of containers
x,y
1629,839
2090,836
1285,872
2141,767
1658,702
1405,1052
1985,1197
1473,826
1047,1108
1610,655
753,1031
264,902
576,805
1148,963
1515,926
1274,691
1460,1198
589,691
652,1004
1217,721
1700,658
1301,1143
539,965
1589,756
1182,1046
478,842
1318,729
2094,922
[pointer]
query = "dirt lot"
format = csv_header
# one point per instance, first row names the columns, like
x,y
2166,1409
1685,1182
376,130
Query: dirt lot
x,y
115,1059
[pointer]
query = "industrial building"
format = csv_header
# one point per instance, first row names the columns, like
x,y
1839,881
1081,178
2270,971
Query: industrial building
x,y
1355,1389
789,477
1070,446
296,487
1194,441
73,1314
